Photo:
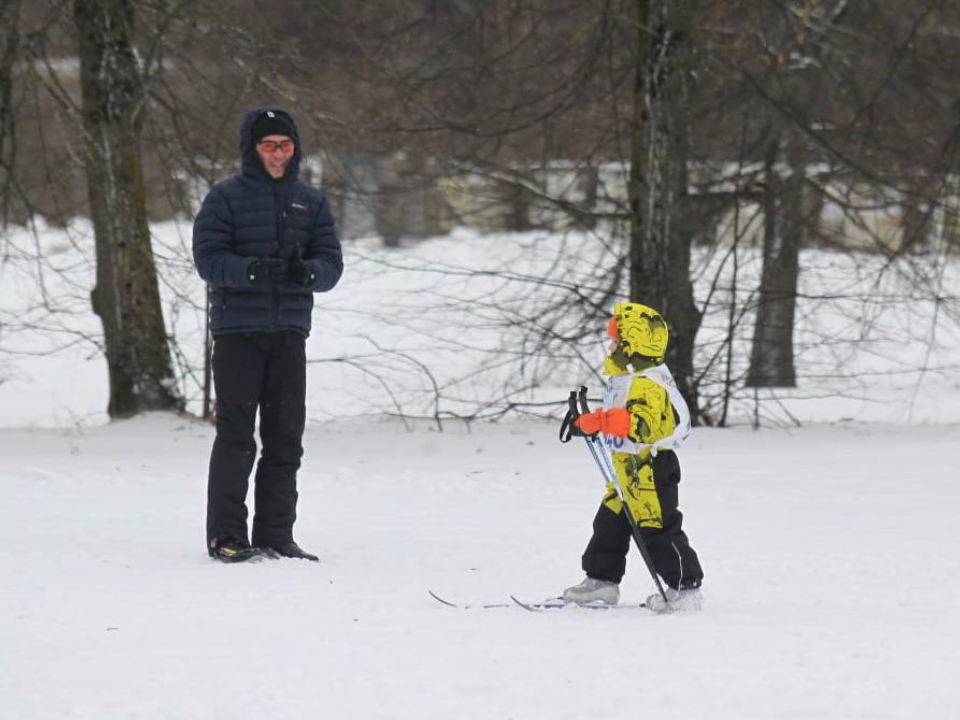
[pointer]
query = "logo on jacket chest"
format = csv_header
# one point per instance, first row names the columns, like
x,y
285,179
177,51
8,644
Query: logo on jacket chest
x,y
299,206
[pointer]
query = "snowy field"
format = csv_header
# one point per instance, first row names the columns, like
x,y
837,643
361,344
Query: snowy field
x,y
443,327
830,553
830,549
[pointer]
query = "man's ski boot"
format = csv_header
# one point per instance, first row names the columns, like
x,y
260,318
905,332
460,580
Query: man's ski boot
x,y
591,590
231,550
683,600
288,550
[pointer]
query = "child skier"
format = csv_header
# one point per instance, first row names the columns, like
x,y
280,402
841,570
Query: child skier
x,y
644,418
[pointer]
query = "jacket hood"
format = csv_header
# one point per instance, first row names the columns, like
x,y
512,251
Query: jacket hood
x,y
248,152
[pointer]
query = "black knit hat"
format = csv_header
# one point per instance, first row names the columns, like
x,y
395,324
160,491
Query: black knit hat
x,y
271,123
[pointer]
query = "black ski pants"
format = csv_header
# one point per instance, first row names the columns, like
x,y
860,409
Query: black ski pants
x,y
673,559
250,371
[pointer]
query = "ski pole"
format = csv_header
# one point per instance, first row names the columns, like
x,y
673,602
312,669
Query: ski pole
x,y
598,450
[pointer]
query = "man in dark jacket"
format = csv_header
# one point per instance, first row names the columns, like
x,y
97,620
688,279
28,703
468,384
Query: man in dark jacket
x,y
264,242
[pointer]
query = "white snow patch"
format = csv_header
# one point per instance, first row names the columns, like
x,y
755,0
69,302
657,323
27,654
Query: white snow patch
x,y
829,552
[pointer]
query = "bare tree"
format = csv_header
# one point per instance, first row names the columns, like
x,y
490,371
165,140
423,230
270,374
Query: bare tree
x,y
546,106
660,239
9,50
126,296
771,360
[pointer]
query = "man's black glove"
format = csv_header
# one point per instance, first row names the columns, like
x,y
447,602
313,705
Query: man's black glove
x,y
301,273
268,270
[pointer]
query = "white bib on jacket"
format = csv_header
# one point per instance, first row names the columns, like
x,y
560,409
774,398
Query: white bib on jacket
x,y
615,396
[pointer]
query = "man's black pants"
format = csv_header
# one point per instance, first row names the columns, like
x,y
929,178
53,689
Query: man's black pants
x,y
251,370
673,559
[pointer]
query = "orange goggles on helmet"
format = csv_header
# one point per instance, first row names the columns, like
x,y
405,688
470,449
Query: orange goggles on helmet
x,y
612,330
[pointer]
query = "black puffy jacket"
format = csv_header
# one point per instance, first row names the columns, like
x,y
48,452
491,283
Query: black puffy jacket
x,y
250,216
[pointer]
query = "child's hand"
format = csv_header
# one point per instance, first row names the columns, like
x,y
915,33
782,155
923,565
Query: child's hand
x,y
609,422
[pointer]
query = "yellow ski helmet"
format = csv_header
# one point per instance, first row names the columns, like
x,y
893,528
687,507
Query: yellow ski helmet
x,y
640,331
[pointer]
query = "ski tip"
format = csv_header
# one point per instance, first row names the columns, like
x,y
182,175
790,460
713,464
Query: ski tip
x,y
548,604
524,605
440,599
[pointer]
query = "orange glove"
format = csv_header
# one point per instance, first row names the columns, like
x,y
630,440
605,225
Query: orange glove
x,y
609,422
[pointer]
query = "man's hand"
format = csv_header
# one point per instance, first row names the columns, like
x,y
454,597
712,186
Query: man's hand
x,y
301,273
609,422
268,270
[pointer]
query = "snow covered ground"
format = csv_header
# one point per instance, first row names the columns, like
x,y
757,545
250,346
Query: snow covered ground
x,y
831,557
830,550
444,325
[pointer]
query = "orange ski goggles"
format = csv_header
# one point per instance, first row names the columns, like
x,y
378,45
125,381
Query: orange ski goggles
x,y
612,330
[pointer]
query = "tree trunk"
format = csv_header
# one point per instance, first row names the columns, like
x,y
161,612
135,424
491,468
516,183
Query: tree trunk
x,y
660,239
771,359
126,296
9,49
